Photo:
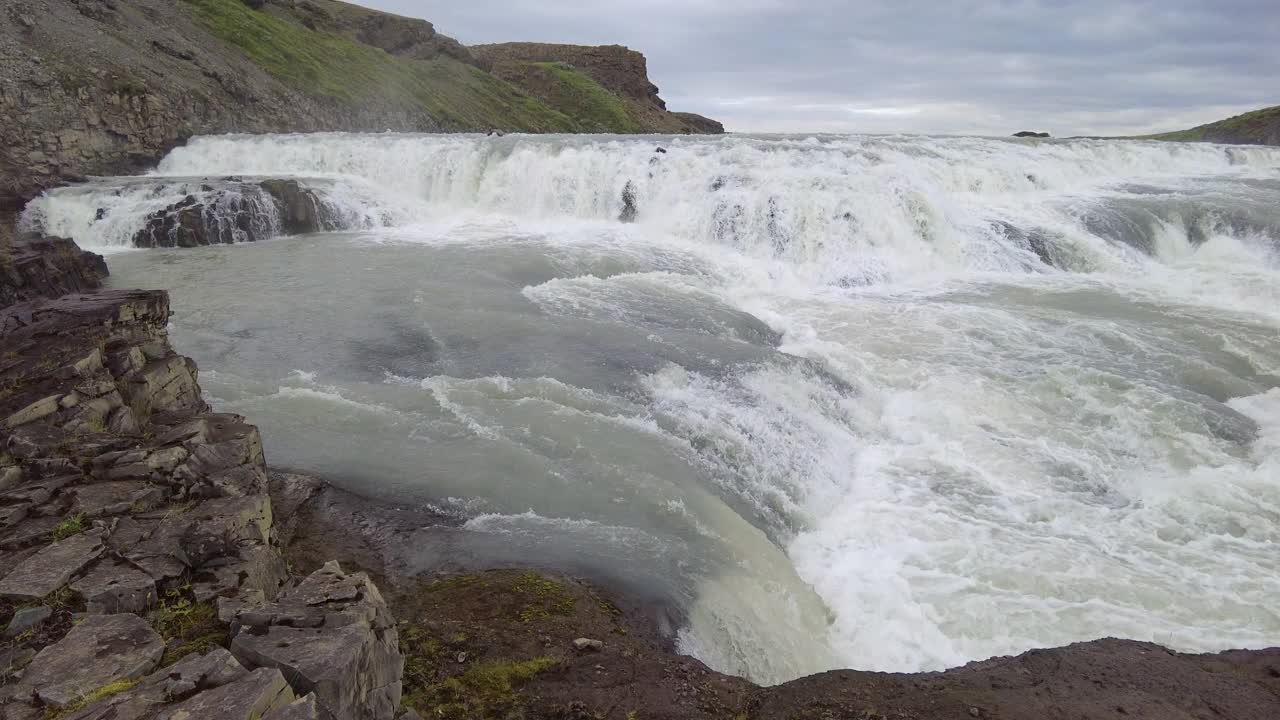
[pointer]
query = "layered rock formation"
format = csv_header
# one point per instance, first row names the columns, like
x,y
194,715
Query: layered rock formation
x,y
107,87
128,507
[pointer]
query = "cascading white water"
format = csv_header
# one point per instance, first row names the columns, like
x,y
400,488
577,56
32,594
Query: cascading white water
x,y
888,402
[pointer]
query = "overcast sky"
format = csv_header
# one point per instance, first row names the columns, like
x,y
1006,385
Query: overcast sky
x,y
966,66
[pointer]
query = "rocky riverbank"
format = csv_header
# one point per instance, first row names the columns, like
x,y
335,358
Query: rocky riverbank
x,y
152,565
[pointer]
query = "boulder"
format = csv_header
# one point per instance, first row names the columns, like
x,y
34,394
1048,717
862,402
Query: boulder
x,y
331,635
101,650
301,210
587,644
51,568
1031,134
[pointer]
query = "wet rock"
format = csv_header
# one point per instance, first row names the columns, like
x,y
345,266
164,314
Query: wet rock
x,y
112,588
51,568
629,209
252,697
301,210
30,618
331,635
100,650
1030,134
45,267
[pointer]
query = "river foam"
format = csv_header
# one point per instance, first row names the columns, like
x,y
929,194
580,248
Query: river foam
x,y
894,403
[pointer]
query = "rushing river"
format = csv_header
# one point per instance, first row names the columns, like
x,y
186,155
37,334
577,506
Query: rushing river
x,y
891,403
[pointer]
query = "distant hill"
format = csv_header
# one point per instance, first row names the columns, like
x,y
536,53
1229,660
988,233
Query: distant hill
x,y
106,87
1260,127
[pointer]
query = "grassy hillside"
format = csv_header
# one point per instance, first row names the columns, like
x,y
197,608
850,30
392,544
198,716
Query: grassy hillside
x,y
458,96
1260,127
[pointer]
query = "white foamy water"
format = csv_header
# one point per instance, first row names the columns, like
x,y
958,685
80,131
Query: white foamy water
x,y
893,403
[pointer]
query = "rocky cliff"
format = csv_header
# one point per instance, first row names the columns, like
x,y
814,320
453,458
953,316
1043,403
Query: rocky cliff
x,y
547,71
1260,127
104,87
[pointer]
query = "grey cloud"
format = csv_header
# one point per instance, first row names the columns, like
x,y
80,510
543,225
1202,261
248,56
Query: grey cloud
x,y
969,66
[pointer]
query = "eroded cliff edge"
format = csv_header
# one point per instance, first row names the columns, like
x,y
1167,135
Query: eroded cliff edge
x,y
151,565
107,87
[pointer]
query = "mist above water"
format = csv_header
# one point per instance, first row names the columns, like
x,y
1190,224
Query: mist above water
x,y
892,403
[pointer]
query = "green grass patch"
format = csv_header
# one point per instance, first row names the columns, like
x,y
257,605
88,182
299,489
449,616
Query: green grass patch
x,y
484,691
69,526
188,627
107,690
1253,126
545,598
593,107
455,95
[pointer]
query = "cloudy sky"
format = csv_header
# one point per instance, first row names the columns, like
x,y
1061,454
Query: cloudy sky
x,y
965,66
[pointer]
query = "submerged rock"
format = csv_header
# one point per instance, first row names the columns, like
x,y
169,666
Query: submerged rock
x,y
629,209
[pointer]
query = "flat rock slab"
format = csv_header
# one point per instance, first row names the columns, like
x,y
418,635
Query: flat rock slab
x,y
195,673
251,698
99,651
115,589
114,498
51,568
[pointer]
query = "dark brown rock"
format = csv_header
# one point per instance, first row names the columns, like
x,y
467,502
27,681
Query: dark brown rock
x,y
33,267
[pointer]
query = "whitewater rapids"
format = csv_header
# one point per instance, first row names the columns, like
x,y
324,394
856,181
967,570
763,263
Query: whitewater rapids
x,y
890,403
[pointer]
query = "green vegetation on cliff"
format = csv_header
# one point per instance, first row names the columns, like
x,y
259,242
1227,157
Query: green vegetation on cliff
x,y
1260,127
458,96
594,108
